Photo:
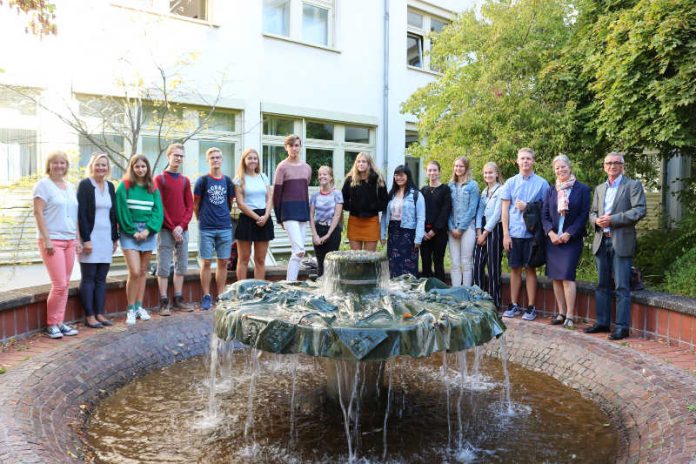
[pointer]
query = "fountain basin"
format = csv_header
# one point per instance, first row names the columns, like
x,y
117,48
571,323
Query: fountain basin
x,y
423,318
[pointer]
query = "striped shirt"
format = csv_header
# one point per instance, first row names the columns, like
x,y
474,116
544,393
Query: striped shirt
x,y
291,191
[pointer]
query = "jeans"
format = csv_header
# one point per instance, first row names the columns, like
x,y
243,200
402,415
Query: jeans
x,y
296,234
610,266
462,254
59,267
93,287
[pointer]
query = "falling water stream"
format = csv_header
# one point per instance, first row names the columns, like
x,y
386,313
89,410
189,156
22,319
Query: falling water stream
x,y
373,389
165,416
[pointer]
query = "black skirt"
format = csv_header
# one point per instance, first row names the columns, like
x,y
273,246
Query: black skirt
x,y
248,231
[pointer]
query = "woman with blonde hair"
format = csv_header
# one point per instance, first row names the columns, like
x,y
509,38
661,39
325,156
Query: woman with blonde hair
x,y
255,200
140,216
462,235
55,210
564,216
325,213
96,197
488,254
364,196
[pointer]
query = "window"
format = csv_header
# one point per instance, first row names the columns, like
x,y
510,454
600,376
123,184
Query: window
x,y
321,131
210,129
277,126
87,147
422,30
324,143
315,24
196,9
316,158
308,21
276,17
357,134
17,154
229,166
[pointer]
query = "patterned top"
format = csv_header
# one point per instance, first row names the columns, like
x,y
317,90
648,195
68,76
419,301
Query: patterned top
x,y
325,205
214,202
291,191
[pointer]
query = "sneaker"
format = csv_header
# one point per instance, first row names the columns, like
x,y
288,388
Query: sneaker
x,y
142,314
181,305
206,302
530,314
53,331
164,307
67,330
512,311
131,317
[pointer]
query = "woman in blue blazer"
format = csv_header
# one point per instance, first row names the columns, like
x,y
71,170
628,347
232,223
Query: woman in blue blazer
x,y
564,217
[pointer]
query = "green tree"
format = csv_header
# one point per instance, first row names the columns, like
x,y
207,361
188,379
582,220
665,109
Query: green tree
x,y
490,99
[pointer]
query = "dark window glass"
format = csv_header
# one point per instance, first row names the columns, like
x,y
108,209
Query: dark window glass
x,y
320,130
357,134
317,158
273,125
414,50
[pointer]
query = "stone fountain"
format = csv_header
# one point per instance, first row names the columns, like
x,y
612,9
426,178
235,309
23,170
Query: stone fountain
x,y
357,314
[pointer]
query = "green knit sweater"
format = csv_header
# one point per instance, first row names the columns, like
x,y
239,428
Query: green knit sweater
x,y
136,204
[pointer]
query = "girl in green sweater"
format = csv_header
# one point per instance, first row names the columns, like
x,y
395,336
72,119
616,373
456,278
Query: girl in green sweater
x,y
140,216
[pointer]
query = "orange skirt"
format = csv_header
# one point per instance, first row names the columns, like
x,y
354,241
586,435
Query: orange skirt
x,y
363,229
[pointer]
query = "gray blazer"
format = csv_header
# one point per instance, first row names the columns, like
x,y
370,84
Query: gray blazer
x,y
628,209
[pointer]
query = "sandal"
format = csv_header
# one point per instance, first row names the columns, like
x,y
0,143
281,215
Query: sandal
x,y
569,324
558,319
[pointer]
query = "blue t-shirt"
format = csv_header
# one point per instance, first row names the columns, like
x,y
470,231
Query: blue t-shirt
x,y
325,204
528,189
214,203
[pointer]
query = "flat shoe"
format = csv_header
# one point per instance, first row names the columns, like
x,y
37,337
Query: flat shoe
x,y
106,323
98,325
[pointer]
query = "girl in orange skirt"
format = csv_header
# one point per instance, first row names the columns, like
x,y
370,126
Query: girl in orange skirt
x,y
365,196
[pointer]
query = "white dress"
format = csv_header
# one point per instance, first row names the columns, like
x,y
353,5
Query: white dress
x,y
102,245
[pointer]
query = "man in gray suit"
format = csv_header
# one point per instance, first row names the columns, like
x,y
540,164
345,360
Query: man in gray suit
x,y
618,204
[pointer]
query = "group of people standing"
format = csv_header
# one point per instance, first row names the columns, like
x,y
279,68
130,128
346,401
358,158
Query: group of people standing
x,y
522,216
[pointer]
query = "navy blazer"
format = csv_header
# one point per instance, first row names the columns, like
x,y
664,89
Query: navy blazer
x,y
576,217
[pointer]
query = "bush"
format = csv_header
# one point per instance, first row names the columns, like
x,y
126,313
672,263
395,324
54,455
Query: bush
x,y
658,249
681,276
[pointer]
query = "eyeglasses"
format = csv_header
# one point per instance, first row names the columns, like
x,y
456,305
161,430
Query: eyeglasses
x,y
613,163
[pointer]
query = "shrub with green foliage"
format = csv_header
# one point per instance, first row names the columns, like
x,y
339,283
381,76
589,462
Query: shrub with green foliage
x,y
681,276
658,250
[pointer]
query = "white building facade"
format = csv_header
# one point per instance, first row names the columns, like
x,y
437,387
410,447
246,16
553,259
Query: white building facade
x,y
334,72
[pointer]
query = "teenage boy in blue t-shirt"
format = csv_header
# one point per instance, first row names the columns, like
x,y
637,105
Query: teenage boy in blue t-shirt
x,y
521,189
212,202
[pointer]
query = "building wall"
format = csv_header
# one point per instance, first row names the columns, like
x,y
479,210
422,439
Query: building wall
x,y
104,47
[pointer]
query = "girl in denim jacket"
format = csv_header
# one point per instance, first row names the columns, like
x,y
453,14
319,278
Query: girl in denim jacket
x,y
462,234
404,222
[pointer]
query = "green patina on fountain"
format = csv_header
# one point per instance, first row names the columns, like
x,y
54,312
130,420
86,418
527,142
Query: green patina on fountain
x,y
356,314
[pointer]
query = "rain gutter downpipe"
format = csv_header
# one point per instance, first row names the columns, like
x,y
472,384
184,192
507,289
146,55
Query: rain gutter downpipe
x,y
385,96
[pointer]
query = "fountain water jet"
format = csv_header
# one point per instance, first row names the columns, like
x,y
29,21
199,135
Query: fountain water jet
x,y
355,320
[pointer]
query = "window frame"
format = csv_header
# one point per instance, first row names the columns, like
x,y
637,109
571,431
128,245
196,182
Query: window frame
x,y
296,28
338,144
425,35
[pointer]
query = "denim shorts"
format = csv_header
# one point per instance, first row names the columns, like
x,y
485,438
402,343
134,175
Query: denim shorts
x,y
218,239
128,242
